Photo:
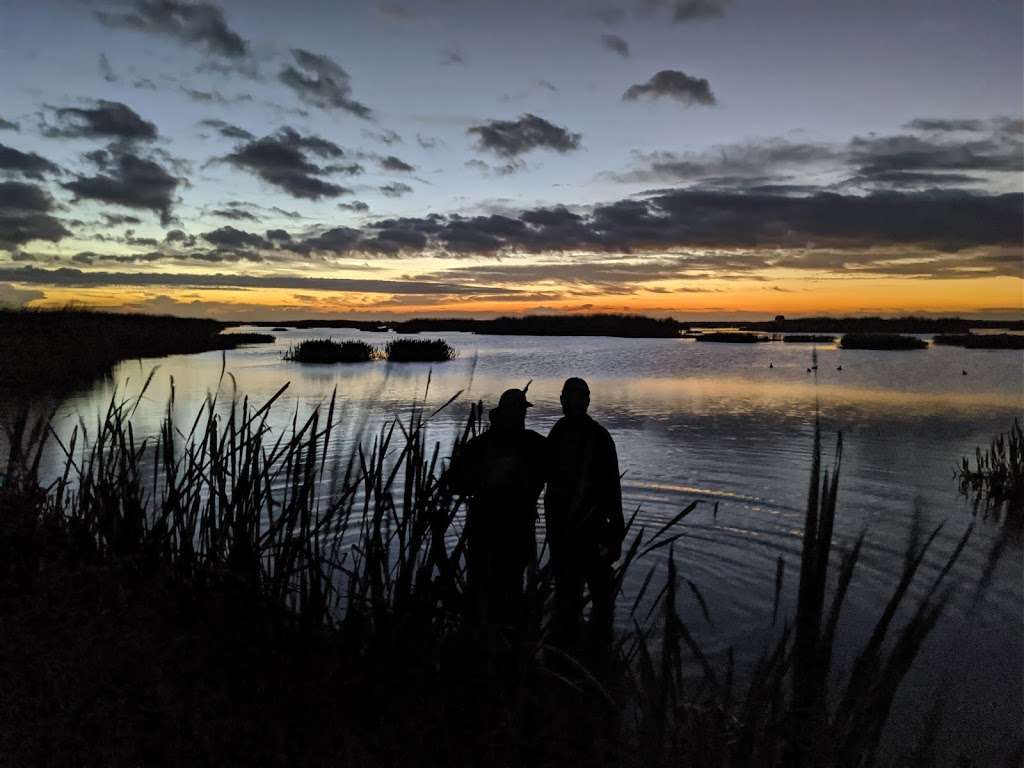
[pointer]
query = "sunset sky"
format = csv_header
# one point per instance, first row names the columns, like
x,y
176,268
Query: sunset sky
x,y
694,158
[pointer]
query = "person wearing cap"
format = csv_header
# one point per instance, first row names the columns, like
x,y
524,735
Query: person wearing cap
x,y
501,474
583,515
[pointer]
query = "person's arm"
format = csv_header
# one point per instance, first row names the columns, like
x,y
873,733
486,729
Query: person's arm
x,y
462,471
613,494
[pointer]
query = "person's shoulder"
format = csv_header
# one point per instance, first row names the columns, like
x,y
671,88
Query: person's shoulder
x,y
600,431
558,427
534,437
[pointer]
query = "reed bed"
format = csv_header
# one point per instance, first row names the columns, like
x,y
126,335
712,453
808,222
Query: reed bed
x,y
418,351
330,351
315,612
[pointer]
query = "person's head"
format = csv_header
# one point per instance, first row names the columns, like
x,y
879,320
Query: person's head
x,y
511,410
575,398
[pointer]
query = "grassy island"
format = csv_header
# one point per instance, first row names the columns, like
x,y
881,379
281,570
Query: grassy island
x,y
330,351
418,351
883,341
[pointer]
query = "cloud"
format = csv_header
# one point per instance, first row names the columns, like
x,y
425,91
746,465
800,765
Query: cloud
x,y
106,71
320,81
451,56
616,44
392,163
752,162
227,130
875,157
426,142
356,206
214,96
127,180
229,237
510,138
118,219
191,23
25,215
697,10
28,164
395,12
85,279
107,120
395,189
235,214
12,296
932,125
385,136
283,160
673,84
7,125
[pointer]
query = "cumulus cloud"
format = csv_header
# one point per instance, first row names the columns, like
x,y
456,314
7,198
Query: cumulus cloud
x,y
321,81
200,24
25,215
673,84
27,164
283,159
214,96
510,138
616,44
106,120
385,136
127,180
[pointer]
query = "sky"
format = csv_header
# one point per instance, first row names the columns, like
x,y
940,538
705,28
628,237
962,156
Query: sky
x,y
399,158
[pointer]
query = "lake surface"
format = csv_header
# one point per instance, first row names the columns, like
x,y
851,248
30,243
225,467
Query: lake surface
x,y
732,424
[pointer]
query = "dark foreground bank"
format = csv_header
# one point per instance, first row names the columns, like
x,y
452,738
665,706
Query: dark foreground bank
x,y
262,607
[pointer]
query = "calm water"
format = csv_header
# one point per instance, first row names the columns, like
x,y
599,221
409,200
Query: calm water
x,y
715,422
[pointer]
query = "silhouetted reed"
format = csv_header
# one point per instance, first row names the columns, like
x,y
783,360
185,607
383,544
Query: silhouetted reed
x,y
995,484
330,351
328,598
418,351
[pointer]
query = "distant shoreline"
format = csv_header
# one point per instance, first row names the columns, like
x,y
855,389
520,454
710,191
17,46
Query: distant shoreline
x,y
638,326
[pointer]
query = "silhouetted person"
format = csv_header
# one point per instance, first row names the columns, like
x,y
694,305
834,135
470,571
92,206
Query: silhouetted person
x,y
501,472
583,513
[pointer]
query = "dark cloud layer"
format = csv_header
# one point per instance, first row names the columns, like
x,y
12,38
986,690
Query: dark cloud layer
x,y
687,218
8,125
25,215
127,180
320,81
392,163
191,23
27,164
510,138
107,120
673,84
284,160
83,279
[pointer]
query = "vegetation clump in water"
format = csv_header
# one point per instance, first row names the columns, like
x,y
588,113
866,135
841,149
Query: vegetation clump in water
x,y
996,482
881,341
330,351
418,351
